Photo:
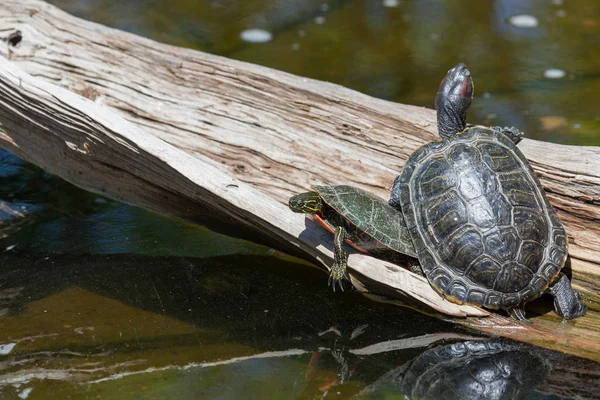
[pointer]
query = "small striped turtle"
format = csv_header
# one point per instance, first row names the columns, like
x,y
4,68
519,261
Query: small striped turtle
x,y
483,229
365,221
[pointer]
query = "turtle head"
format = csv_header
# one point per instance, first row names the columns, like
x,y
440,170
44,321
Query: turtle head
x,y
452,101
308,203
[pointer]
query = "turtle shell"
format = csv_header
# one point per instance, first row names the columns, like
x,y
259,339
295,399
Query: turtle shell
x,y
483,229
371,215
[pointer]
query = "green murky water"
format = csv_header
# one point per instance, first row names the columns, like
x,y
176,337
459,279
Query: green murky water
x,y
102,300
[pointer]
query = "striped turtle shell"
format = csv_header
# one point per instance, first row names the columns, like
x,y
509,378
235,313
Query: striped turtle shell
x,y
370,215
481,224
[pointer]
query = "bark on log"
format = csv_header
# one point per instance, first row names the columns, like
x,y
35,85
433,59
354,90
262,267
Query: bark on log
x,y
226,143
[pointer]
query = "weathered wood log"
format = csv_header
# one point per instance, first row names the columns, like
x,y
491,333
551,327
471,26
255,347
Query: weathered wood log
x,y
226,143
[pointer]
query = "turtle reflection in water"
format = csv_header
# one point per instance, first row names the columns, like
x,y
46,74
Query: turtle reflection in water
x,y
483,229
487,369
365,221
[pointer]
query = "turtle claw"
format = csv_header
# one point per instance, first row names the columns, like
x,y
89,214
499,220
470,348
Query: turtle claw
x,y
518,314
341,283
333,281
337,276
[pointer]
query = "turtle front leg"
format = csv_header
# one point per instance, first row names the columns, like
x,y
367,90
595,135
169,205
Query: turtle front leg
x,y
394,200
567,302
511,132
340,259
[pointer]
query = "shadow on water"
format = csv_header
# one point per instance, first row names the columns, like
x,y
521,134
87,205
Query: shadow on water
x,y
119,326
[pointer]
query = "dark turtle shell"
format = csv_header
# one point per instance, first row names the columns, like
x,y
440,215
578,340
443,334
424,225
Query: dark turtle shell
x,y
373,218
481,224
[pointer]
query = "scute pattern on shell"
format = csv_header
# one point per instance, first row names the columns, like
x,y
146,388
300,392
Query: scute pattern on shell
x,y
370,214
481,224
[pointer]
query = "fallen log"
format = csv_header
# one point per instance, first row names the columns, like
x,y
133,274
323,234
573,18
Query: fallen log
x,y
225,143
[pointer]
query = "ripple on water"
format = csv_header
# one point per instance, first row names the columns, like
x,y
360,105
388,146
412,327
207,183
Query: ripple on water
x,y
391,3
523,21
554,73
256,36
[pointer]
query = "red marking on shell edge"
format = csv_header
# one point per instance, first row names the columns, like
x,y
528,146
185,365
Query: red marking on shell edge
x,y
330,230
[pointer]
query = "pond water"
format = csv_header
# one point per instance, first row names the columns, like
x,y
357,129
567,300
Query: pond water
x,y
102,300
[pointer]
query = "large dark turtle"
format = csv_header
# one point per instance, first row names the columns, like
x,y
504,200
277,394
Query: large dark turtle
x,y
482,226
365,221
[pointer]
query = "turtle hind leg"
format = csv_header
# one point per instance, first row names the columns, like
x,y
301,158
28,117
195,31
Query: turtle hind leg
x,y
415,267
340,259
307,203
518,314
567,302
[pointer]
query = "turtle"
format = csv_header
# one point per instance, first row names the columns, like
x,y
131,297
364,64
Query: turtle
x,y
482,227
363,220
